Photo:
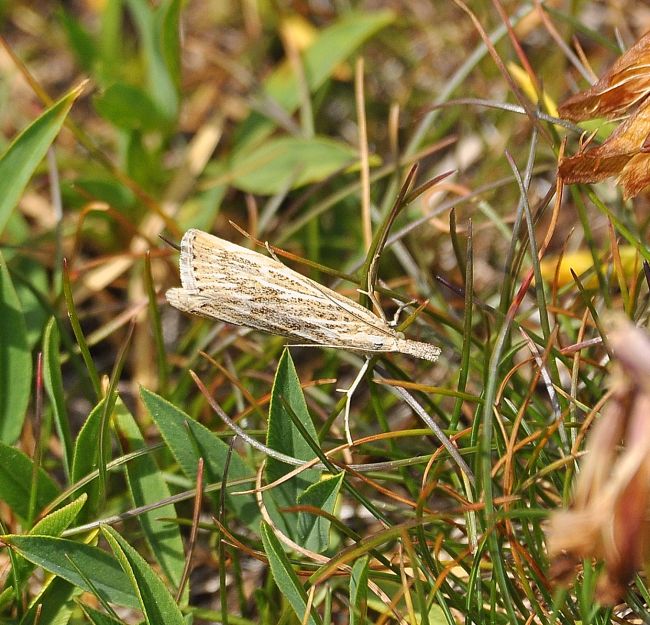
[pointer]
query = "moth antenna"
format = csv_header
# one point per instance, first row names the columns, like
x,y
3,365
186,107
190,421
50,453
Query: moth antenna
x,y
176,246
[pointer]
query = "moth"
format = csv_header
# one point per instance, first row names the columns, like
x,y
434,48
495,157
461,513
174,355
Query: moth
x,y
224,281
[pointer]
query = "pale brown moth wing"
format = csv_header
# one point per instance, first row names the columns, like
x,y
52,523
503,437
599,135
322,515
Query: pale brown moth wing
x,y
233,284
241,286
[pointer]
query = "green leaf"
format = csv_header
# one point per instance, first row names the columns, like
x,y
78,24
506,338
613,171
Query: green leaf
x,y
78,564
289,162
98,618
86,454
110,191
16,479
170,44
111,44
147,486
160,80
52,525
53,605
33,287
333,46
188,447
27,150
359,591
53,382
80,42
86,451
56,522
155,600
15,359
313,529
285,577
129,107
284,437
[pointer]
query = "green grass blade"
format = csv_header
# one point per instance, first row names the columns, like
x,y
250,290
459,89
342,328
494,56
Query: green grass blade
x,y
359,591
285,437
285,577
28,149
15,481
15,360
78,333
148,486
53,382
56,554
155,599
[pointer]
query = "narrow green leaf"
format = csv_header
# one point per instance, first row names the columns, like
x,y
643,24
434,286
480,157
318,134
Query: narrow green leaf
x,y
147,486
78,333
333,46
155,600
187,447
359,591
98,618
110,46
76,563
53,382
285,577
284,437
15,359
33,287
104,444
80,41
52,525
170,41
86,455
56,522
289,162
313,530
103,189
27,150
160,82
86,452
53,605
16,478
128,107
162,363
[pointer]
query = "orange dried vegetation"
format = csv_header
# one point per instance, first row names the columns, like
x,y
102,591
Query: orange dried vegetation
x,y
608,519
621,92
626,83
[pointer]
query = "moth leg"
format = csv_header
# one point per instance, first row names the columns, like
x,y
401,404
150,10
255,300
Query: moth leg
x,y
348,399
273,255
375,302
400,308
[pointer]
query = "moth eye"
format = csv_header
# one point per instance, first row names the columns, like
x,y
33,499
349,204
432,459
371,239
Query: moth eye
x,y
378,344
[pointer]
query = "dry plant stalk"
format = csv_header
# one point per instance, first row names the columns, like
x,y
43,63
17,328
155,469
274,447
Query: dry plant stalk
x,y
608,519
622,91
230,283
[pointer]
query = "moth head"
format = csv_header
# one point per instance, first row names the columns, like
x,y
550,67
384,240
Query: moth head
x,y
185,300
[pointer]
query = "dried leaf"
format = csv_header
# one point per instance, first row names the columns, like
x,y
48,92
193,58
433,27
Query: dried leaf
x,y
609,515
635,176
625,84
624,154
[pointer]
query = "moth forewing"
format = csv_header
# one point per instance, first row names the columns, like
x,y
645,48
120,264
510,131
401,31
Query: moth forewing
x,y
230,283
